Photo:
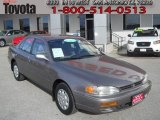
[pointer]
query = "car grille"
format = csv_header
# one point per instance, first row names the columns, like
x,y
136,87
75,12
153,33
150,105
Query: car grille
x,y
131,86
143,44
148,50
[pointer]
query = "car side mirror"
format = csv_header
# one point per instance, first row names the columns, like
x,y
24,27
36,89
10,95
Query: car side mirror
x,y
8,34
129,35
100,49
42,56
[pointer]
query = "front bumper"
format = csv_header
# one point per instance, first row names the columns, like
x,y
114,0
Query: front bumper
x,y
150,49
92,104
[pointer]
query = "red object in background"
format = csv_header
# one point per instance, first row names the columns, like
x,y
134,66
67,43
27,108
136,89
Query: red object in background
x,y
17,40
9,1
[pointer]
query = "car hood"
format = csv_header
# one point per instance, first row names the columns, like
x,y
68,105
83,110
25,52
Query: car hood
x,y
144,39
103,70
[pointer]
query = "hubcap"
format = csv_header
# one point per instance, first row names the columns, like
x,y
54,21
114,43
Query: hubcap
x,y
2,43
63,99
16,71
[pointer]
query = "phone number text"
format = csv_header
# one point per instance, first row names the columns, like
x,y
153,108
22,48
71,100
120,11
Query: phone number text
x,y
100,10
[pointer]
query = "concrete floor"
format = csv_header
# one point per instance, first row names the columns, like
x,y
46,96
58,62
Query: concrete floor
x,y
25,101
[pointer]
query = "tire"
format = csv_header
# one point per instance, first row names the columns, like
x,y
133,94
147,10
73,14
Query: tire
x,y
17,75
129,54
158,54
2,43
64,99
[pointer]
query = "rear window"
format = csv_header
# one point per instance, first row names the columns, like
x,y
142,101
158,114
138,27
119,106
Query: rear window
x,y
27,44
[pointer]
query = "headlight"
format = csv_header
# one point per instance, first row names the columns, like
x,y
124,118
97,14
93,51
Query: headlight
x,y
145,79
103,90
156,42
130,42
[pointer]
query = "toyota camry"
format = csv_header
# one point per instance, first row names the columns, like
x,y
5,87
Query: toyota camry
x,y
78,75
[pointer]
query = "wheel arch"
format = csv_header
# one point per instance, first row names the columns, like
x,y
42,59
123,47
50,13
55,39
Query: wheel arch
x,y
58,81
3,39
12,61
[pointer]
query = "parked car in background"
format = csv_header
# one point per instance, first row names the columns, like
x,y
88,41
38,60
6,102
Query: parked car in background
x,y
144,40
78,75
6,36
18,39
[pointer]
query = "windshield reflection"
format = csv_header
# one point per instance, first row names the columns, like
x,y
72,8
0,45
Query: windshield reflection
x,y
67,49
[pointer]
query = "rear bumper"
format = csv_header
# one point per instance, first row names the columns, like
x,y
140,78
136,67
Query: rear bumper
x,y
124,99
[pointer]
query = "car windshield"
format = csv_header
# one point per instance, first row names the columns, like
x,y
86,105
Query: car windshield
x,y
2,33
68,49
145,33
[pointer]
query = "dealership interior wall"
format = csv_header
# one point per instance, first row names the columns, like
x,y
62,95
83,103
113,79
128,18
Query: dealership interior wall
x,y
93,27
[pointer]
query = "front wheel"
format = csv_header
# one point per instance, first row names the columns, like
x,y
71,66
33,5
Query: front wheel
x,y
2,43
17,75
64,99
129,53
158,54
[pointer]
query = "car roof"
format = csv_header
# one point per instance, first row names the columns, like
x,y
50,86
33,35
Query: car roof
x,y
49,37
146,28
13,29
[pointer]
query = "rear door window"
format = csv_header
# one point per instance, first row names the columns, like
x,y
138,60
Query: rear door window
x,y
21,44
10,33
17,32
38,47
27,45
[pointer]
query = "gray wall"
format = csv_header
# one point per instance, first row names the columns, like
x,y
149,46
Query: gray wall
x,y
74,23
117,22
146,20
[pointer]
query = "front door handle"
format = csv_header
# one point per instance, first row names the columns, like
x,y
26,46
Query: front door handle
x,y
29,59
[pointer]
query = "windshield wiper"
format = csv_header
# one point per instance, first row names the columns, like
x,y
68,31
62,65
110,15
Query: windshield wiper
x,y
64,59
73,58
84,56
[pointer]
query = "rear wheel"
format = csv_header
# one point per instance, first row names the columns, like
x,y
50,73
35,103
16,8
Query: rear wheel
x,y
64,99
17,75
2,43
